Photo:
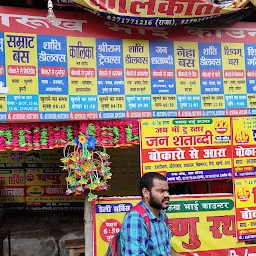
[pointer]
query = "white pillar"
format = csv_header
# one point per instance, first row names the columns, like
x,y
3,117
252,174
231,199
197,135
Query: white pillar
x,y
88,226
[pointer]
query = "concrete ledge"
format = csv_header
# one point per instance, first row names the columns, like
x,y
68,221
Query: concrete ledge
x,y
42,235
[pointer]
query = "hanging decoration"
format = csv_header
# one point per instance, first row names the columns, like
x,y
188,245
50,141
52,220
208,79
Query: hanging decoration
x,y
36,136
156,13
160,13
86,162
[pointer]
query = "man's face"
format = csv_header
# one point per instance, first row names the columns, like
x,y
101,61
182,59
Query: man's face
x,y
159,195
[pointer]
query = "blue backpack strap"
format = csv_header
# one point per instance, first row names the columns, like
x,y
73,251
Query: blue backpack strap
x,y
141,210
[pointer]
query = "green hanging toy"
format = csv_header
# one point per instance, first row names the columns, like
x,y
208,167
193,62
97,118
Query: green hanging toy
x,y
87,166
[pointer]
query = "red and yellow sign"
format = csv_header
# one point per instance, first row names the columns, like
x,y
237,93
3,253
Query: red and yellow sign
x,y
12,180
187,149
245,195
158,13
45,190
244,153
201,226
12,187
244,149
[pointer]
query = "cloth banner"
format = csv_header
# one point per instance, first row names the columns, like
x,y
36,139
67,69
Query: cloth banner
x,y
159,13
201,225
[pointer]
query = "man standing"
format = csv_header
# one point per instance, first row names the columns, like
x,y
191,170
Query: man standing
x,y
134,237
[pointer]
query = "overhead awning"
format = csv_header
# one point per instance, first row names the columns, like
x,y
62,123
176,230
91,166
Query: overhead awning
x,y
161,13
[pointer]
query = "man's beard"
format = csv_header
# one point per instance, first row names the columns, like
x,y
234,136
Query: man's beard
x,y
156,204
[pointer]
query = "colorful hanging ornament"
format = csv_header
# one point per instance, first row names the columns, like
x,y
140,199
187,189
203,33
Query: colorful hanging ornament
x,y
87,164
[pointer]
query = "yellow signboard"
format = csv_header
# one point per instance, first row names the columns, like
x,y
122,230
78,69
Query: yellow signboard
x,y
201,226
82,66
187,149
12,187
159,13
244,150
45,190
244,153
245,195
21,62
53,103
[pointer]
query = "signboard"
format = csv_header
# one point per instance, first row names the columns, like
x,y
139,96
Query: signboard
x,y
244,149
44,158
159,13
46,183
187,149
244,153
245,195
34,181
77,70
45,191
201,226
12,180
12,189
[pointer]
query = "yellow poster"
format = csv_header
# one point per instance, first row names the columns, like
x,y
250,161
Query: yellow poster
x,y
12,186
244,149
47,186
166,102
161,13
21,63
202,225
45,177
12,179
244,153
111,103
187,68
186,149
46,183
245,195
136,67
213,101
3,103
53,103
82,66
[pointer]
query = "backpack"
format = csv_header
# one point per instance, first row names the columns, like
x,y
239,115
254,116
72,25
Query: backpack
x,y
114,248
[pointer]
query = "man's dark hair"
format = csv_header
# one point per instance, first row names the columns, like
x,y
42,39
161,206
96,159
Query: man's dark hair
x,y
146,181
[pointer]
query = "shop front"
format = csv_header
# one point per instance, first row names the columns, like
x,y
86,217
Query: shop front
x,y
178,101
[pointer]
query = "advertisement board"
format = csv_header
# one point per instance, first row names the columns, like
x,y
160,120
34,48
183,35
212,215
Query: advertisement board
x,y
12,188
244,149
159,13
46,183
201,225
244,158
245,198
12,180
187,149
76,70
34,181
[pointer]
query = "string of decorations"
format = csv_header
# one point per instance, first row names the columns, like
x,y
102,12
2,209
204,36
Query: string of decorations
x,y
36,136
